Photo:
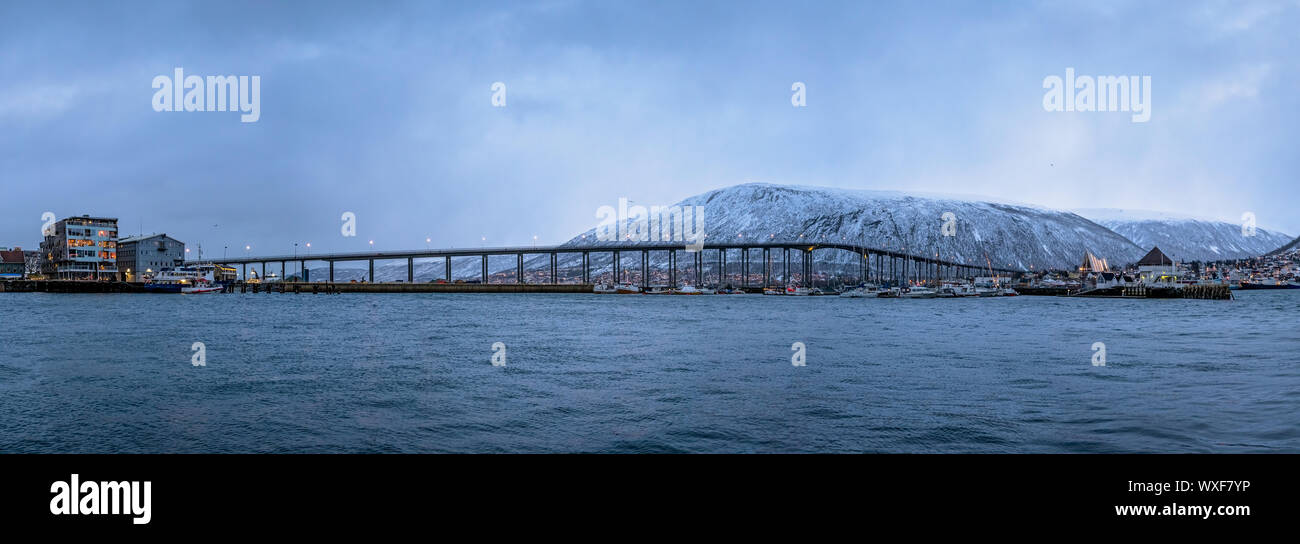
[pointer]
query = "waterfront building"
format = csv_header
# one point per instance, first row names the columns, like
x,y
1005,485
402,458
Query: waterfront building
x,y
13,264
80,248
139,257
1156,265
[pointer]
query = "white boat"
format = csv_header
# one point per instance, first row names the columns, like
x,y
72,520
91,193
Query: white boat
x,y
188,279
797,291
861,291
1009,292
687,290
659,290
627,289
604,289
920,291
772,291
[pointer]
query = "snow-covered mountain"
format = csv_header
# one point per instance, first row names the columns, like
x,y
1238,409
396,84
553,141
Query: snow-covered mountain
x,y
1293,244
1187,238
1011,235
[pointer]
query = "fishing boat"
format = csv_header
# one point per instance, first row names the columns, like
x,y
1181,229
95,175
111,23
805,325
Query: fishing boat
x,y
772,291
604,289
687,290
892,292
659,290
627,289
200,289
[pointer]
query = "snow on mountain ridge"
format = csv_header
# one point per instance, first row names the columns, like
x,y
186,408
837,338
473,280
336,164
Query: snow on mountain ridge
x,y
1011,235
1187,238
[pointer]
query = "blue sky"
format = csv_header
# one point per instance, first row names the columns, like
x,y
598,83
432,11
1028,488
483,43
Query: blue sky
x,y
384,110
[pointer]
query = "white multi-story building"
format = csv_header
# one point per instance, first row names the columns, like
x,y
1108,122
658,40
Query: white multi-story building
x,y
80,248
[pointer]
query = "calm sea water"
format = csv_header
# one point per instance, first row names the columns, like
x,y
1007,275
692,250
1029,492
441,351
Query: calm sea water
x,y
589,373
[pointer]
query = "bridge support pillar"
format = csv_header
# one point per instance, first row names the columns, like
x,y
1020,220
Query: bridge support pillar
x,y
722,267
484,276
372,271
744,267
306,274
645,269
767,267
447,273
554,269
331,271
410,270
519,268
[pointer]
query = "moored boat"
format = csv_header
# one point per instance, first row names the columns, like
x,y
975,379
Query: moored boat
x,y
920,291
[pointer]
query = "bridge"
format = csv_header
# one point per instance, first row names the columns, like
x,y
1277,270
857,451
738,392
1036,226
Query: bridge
x,y
876,264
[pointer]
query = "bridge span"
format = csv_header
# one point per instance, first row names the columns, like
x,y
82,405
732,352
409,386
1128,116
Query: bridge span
x,y
875,264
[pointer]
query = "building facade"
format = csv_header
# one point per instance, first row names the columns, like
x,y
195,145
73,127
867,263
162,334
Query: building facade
x,y
140,257
13,264
80,248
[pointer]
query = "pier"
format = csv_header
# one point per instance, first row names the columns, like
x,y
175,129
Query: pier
x,y
401,287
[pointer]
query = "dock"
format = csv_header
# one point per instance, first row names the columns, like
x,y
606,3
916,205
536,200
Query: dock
x,y
402,287
1200,292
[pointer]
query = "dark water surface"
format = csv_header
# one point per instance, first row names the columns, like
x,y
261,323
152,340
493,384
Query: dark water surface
x,y
413,373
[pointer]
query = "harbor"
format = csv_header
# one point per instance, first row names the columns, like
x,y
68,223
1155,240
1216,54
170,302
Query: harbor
x,y
85,254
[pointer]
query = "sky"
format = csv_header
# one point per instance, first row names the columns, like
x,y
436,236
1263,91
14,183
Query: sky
x,y
385,110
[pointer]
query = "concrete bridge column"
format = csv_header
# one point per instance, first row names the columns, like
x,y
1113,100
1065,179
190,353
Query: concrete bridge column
x,y
447,274
744,267
485,272
767,267
410,270
372,271
722,267
554,269
331,271
519,268
645,269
